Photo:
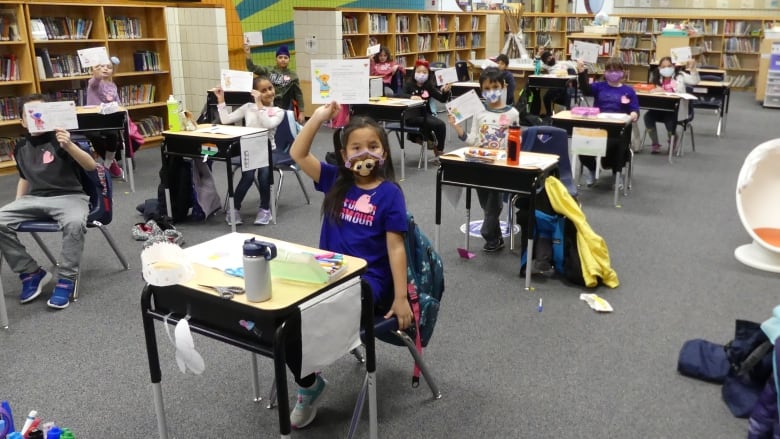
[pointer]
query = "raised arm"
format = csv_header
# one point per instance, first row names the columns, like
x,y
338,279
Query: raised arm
x,y
300,151
257,70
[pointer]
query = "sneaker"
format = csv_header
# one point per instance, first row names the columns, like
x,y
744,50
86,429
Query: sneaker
x,y
238,219
493,246
656,149
305,410
589,179
60,297
115,170
263,217
32,284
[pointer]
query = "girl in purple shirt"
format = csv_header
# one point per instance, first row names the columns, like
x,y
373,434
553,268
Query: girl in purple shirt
x,y
101,89
609,96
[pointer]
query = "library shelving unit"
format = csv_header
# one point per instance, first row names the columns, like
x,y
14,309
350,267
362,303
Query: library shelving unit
x,y
731,44
410,35
16,78
136,34
609,45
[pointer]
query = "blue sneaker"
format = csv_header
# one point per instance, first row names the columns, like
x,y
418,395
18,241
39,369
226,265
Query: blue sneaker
x,y
305,410
32,284
60,297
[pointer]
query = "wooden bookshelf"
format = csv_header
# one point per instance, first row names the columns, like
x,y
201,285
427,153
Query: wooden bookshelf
x,y
64,28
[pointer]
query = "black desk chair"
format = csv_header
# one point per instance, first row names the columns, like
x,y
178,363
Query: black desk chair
x,y
413,131
462,70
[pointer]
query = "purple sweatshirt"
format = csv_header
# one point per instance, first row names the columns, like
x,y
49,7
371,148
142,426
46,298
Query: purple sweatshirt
x,y
99,92
610,99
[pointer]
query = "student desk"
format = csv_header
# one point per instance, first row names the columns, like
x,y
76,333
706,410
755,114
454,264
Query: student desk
x,y
463,87
392,110
91,120
720,90
553,81
192,144
666,102
524,179
275,319
615,128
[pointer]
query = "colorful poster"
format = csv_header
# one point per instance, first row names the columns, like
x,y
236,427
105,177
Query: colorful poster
x,y
345,81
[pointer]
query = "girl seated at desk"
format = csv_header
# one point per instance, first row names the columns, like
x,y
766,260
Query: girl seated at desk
x,y
363,215
609,96
422,86
382,64
669,79
258,114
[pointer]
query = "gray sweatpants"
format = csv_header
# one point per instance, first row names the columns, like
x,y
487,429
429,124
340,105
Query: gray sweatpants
x,y
70,211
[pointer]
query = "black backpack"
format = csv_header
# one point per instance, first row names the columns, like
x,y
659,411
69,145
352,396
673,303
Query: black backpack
x,y
523,106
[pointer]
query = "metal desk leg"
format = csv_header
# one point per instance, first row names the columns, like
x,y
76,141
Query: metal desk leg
x,y
437,215
164,178
280,374
401,144
255,380
672,139
231,193
531,224
468,217
154,363
129,170
3,310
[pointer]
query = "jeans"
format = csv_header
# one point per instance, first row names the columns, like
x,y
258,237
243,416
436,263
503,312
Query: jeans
x,y
246,182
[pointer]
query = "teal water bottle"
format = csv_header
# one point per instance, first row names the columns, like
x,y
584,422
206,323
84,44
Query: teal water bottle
x,y
537,66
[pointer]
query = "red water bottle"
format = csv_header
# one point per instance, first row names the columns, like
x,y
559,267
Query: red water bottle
x,y
513,145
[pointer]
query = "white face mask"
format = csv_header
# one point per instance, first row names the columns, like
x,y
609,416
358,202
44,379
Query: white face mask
x,y
666,72
492,96
420,77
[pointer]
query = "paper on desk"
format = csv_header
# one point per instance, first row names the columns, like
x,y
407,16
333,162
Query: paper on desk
x,y
465,106
537,161
614,116
325,339
221,253
229,130
254,151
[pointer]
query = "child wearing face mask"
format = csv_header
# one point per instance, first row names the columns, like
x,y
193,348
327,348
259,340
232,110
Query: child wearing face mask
x,y
668,80
609,96
489,130
552,65
422,86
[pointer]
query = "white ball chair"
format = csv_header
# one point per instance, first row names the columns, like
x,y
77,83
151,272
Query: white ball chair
x,y
758,205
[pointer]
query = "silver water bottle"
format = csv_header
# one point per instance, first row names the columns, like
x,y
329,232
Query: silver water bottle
x,y
257,269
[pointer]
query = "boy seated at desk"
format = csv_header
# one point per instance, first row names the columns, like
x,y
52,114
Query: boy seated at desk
x,y
490,130
669,79
49,187
553,96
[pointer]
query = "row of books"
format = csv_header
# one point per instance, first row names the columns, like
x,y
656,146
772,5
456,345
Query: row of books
x,y
136,94
377,23
742,81
734,44
150,126
742,28
548,24
424,43
443,23
58,66
7,145
77,95
635,57
348,48
9,29
9,68
637,42
731,62
424,24
443,42
146,60
633,25
9,107
349,24
123,27
60,28
575,24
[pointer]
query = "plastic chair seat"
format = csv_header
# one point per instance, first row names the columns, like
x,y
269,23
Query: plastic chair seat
x,y
39,226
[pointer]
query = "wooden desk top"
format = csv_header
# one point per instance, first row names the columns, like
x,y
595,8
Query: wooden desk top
x,y
713,71
284,293
394,102
566,115
658,94
513,65
713,84
212,131
528,160
94,109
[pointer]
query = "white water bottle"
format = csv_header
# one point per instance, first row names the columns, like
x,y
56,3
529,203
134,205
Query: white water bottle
x,y
257,269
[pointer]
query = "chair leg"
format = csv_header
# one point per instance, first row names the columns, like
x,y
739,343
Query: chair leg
x,y
368,384
420,362
693,141
3,310
303,186
272,395
255,380
112,243
279,188
44,248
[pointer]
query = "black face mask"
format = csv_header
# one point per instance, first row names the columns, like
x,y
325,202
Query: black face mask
x,y
550,61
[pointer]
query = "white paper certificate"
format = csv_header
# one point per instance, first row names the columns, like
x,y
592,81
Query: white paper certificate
x,y
586,52
46,116
235,80
94,56
253,38
345,81
446,76
680,54
465,106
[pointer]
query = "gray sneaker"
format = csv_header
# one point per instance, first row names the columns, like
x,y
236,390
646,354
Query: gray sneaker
x,y
238,219
263,217
305,409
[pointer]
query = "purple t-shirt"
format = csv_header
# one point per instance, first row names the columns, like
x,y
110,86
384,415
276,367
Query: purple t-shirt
x,y
611,99
366,217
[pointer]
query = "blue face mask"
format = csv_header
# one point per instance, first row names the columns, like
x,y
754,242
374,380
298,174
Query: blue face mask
x,y
666,72
492,96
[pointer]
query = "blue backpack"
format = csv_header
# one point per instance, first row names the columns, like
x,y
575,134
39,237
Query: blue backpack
x,y
425,274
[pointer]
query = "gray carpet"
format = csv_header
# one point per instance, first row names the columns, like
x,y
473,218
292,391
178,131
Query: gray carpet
x,y
505,369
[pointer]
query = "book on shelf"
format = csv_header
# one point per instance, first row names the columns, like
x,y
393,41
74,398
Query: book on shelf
x,y
10,68
43,53
349,24
123,27
38,30
146,60
349,49
9,107
9,28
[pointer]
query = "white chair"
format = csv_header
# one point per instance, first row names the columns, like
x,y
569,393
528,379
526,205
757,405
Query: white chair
x,y
758,188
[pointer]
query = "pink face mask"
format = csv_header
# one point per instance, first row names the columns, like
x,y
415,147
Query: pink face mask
x,y
364,163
